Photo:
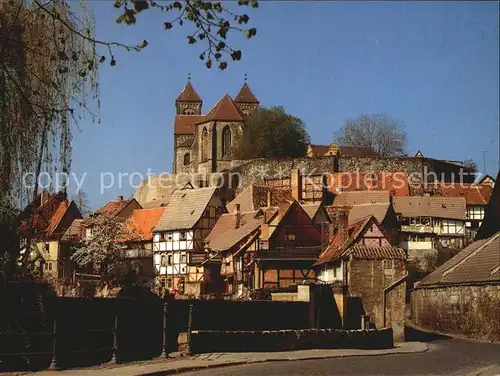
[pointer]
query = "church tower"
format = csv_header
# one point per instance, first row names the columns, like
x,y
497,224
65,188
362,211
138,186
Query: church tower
x,y
246,101
188,102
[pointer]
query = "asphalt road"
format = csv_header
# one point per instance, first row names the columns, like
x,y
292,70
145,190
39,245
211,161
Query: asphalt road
x,y
444,357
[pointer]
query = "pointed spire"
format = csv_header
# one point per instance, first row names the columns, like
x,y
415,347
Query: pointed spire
x,y
245,95
188,94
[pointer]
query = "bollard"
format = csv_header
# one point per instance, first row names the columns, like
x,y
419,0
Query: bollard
x,y
190,324
54,366
164,352
115,341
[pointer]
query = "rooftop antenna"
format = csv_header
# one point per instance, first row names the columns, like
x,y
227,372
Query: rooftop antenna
x,y
189,76
246,77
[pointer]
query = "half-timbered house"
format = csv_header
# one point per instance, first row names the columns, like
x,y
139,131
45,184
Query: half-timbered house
x,y
178,240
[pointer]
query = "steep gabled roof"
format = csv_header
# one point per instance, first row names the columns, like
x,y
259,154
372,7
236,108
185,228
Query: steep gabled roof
x,y
255,197
430,206
245,95
352,247
224,110
479,262
226,234
188,94
143,221
361,198
186,124
185,208
114,207
45,219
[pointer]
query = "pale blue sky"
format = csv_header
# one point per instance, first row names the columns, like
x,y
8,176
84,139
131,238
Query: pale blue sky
x,y
434,65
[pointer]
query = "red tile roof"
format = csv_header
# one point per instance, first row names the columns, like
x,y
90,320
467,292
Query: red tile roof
x,y
335,249
45,218
58,216
224,110
113,207
188,94
143,221
186,124
245,95
394,182
319,150
355,151
474,194
254,197
225,234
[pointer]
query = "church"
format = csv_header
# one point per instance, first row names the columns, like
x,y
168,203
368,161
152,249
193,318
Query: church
x,y
204,143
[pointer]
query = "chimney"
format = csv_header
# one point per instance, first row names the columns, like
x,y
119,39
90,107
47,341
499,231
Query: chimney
x,y
119,198
237,213
44,197
326,234
343,225
296,184
269,195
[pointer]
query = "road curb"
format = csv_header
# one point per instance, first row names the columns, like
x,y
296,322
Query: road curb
x,y
412,325
238,363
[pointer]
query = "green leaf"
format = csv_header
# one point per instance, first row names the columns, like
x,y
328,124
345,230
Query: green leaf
x,y
202,56
255,4
177,5
191,40
209,63
118,4
243,2
167,25
112,62
102,59
143,44
222,45
217,56
201,36
82,73
222,65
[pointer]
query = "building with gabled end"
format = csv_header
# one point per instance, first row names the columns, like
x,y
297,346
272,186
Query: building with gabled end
x,y
117,208
44,223
429,223
233,235
361,204
205,142
138,243
462,296
178,248
368,275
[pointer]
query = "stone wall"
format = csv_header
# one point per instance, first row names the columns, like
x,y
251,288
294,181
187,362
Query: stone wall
x,y
473,311
205,341
368,280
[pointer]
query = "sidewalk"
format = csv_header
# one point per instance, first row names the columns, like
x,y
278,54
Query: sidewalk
x,y
176,365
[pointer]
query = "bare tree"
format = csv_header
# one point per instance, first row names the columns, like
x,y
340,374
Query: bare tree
x,y
386,136
471,164
82,202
